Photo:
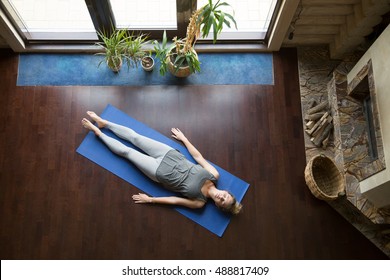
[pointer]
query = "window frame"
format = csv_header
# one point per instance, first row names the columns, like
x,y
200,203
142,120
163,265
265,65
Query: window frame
x,y
103,20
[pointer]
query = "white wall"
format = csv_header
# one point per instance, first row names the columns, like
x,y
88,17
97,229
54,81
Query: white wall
x,y
377,187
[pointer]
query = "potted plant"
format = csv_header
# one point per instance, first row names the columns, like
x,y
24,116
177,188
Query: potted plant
x,y
113,46
135,49
180,58
147,62
161,50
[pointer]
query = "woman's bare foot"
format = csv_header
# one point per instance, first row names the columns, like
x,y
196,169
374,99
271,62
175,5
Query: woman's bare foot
x,y
99,121
88,125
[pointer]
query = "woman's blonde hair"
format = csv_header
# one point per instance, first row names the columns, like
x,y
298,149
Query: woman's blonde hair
x,y
234,208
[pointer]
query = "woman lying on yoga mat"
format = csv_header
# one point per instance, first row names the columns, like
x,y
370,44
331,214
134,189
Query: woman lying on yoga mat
x,y
167,166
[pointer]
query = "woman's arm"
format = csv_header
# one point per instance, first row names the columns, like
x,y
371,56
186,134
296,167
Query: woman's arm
x,y
171,200
177,134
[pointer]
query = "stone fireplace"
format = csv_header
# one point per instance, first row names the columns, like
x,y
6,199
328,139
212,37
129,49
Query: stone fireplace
x,y
357,136
357,130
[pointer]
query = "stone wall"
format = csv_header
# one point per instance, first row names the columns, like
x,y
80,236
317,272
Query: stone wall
x,y
377,187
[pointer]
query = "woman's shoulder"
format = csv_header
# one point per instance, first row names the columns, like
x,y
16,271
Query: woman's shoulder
x,y
198,203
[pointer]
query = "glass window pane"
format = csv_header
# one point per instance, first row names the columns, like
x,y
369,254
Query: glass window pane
x,y
53,16
252,16
145,14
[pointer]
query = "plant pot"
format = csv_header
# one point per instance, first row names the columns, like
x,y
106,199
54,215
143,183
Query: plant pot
x,y
115,67
182,72
147,63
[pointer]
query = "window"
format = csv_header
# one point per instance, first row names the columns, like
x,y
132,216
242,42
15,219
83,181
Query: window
x,y
253,19
51,19
77,20
145,15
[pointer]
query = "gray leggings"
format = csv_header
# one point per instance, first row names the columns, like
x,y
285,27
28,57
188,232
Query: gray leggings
x,y
147,163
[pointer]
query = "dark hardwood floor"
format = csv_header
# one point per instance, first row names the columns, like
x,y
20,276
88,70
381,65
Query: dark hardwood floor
x,y
56,204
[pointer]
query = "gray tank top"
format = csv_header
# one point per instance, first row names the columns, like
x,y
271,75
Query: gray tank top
x,y
179,175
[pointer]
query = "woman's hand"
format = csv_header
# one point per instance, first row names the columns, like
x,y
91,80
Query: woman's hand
x,y
142,198
177,134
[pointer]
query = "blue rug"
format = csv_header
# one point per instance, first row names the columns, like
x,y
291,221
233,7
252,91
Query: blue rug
x,y
209,216
82,69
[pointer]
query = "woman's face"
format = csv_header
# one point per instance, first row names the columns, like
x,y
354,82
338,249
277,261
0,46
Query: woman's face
x,y
223,199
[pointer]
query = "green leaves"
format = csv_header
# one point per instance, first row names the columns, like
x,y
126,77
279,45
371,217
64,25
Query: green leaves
x,y
113,46
135,49
208,18
212,17
189,59
118,45
162,51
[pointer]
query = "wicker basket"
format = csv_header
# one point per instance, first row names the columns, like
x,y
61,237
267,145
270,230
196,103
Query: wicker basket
x,y
324,179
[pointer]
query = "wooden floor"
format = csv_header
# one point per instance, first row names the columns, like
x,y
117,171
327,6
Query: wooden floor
x,y
56,204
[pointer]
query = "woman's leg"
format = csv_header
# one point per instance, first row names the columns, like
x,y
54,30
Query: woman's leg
x,y
148,165
152,147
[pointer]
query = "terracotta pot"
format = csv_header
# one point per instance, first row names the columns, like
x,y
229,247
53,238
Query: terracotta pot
x,y
183,72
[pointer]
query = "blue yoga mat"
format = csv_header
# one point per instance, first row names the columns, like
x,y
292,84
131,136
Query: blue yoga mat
x,y
209,216
82,69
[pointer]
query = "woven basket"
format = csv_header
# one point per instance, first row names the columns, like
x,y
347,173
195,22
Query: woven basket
x,y
324,179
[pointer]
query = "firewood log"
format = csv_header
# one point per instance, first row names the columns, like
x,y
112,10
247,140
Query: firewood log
x,y
321,137
322,126
318,123
311,103
314,116
310,124
326,140
318,108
